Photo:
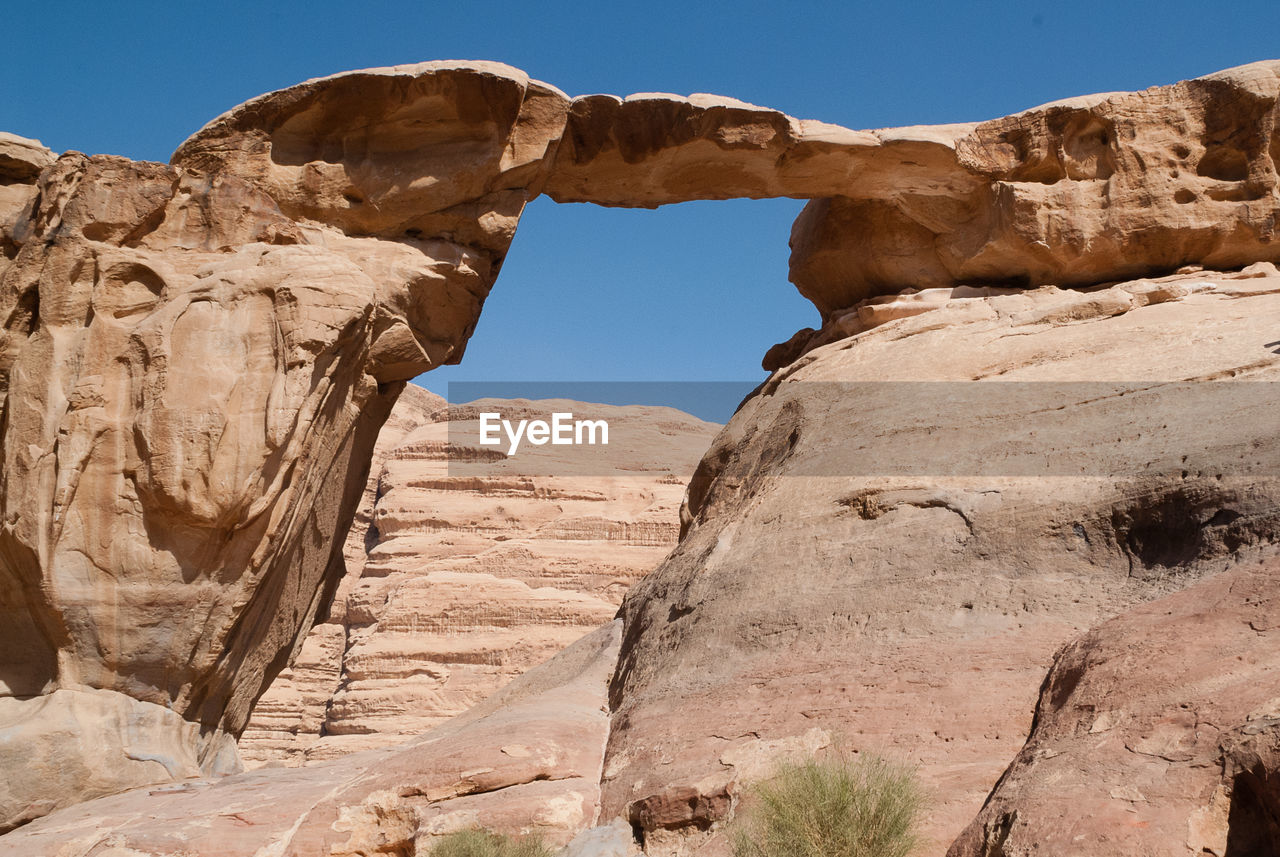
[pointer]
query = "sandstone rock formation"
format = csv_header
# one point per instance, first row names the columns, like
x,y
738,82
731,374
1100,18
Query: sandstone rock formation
x,y
196,359
192,384
1125,761
1078,192
894,562
21,161
290,715
907,614
458,582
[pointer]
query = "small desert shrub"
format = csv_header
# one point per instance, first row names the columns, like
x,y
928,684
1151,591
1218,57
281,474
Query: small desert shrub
x,y
844,806
486,843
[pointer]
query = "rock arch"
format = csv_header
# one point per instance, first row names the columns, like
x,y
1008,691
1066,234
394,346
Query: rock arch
x,y
197,356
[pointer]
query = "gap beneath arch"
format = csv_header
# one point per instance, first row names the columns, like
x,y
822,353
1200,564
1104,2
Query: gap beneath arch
x,y
690,292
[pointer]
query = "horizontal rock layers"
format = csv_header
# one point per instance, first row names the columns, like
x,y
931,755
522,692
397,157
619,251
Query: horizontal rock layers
x,y
291,714
458,582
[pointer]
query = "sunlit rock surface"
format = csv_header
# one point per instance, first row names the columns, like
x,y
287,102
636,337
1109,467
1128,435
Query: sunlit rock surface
x,y
525,760
458,582
193,374
1155,732
889,542
196,359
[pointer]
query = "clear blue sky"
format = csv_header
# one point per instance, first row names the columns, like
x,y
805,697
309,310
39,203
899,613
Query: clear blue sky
x,y
690,292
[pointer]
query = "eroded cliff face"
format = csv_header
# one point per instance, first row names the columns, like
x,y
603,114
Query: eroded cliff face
x,y
291,714
815,599
197,357
458,582
193,378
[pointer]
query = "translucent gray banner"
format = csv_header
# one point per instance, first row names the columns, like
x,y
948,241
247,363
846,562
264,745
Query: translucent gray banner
x,y
919,429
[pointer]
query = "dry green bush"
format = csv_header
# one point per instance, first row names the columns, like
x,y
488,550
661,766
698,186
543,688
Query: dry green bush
x,y
486,843
862,806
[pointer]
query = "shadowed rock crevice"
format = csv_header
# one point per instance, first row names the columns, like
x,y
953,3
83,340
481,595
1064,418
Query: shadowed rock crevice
x,y
1253,821
1183,526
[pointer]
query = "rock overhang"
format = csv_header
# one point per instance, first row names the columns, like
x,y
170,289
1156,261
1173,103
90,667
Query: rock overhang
x,y
1075,192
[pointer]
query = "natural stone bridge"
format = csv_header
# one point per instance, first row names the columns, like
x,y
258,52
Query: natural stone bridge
x,y
197,357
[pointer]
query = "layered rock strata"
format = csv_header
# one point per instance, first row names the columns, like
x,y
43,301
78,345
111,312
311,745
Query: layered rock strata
x,y
290,715
459,581
911,614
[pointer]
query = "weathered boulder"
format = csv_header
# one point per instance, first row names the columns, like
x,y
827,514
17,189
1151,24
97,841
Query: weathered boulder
x,y
890,540
94,742
1157,732
21,161
1079,192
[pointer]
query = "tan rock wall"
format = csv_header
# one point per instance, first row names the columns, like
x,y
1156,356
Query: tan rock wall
x,y
457,583
192,383
894,560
